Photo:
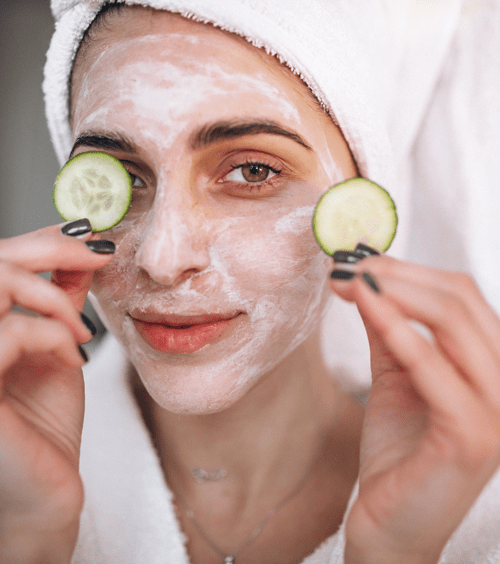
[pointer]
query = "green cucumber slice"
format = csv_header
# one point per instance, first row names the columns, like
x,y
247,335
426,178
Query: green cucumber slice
x,y
94,185
352,212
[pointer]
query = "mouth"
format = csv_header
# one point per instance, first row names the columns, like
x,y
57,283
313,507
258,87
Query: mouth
x,y
178,334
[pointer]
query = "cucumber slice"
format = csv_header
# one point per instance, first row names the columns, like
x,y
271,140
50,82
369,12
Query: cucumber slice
x,y
94,185
352,212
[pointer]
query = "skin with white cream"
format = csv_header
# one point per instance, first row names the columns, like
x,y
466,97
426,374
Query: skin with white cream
x,y
216,290
200,243
217,286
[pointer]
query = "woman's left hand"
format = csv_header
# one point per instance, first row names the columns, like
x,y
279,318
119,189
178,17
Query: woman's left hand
x,y
431,435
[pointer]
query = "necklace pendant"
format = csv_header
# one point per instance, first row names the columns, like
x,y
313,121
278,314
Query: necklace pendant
x,y
229,560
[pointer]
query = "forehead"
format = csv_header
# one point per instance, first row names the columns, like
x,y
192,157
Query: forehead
x,y
135,36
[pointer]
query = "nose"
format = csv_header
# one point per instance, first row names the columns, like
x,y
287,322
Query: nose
x,y
174,244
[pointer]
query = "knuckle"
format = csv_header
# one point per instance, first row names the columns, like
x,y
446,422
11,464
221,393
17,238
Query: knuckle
x,y
476,441
451,308
464,283
418,356
381,264
21,326
15,325
481,450
7,270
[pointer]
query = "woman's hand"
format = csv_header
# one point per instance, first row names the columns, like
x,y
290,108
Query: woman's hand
x,y
41,390
431,437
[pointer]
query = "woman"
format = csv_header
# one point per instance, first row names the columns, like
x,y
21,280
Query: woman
x,y
215,288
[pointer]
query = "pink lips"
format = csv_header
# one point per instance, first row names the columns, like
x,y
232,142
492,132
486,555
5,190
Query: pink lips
x,y
181,334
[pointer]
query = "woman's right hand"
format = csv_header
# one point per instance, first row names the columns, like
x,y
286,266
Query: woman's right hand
x,y
41,391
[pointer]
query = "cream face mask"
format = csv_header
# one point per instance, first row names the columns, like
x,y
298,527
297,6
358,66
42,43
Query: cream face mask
x,y
217,278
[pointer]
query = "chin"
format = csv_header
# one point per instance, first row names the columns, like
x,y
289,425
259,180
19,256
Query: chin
x,y
221,372
191,398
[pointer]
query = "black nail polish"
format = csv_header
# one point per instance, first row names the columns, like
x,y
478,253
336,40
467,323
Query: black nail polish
x,y
77,228
85,356
366,250
90,326
342,275
350,257
102,247
371,282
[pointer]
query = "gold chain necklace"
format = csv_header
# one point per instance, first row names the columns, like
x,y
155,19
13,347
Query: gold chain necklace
x,y
231,558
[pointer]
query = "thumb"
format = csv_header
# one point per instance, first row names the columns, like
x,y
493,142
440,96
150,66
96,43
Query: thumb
x,y
75,283
381,358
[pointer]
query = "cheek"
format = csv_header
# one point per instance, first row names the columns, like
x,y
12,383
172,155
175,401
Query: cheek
x,y
276,255
119,279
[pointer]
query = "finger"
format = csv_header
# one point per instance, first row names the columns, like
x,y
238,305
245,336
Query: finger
x,y
465,425
456,285
452,306
34,293
75,284
435,379
455,329
22,334
50,249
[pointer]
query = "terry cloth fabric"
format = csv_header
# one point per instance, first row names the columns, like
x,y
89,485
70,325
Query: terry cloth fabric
x,y
129,517
413,84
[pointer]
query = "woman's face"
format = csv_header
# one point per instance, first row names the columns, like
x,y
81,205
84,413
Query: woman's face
x,y
217,276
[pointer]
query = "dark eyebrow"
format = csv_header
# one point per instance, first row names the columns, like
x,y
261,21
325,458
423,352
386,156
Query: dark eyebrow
x,y
223,130
113,142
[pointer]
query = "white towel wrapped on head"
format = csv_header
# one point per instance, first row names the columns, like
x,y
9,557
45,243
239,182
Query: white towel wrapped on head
x,y
414,86
375,66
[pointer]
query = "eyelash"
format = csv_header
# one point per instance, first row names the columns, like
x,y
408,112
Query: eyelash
x,y
128,165
134,178
243,187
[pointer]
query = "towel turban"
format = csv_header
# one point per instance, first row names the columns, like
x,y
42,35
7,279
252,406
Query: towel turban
x,y
396,76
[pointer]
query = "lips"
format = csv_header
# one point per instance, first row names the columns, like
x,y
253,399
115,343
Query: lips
x,y
177,334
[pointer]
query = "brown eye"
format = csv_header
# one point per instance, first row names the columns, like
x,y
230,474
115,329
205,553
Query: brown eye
x,y
255,172
136,181
251,173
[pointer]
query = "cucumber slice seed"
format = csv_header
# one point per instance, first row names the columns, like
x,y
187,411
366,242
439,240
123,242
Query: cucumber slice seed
x,y
352,212
94,185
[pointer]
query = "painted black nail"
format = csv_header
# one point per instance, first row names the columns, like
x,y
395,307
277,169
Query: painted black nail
x,y
371,282
366,250
350,257
85,356
77,228
342,275
102,247
90,326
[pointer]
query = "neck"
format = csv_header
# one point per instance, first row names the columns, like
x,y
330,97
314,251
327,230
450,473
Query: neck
x,y
264,444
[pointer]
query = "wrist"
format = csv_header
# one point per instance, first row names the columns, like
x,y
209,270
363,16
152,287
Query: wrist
x,y
352,556
22,544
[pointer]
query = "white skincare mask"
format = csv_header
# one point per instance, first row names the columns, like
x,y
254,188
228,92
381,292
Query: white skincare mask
x,y
196,246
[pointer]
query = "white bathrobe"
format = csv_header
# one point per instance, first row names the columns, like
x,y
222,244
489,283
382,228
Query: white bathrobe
x,y
129,517
415,88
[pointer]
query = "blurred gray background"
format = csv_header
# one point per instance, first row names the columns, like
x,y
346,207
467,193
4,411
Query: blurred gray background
x,y
28,165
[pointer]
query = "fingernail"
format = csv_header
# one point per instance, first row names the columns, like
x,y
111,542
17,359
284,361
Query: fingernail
x,y
371,282
350,257
77,228
102,247
342,275
85,356
366,250
90,326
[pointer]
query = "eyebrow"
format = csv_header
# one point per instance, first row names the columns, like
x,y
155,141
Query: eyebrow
x,y
113,142
222,130
207,135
